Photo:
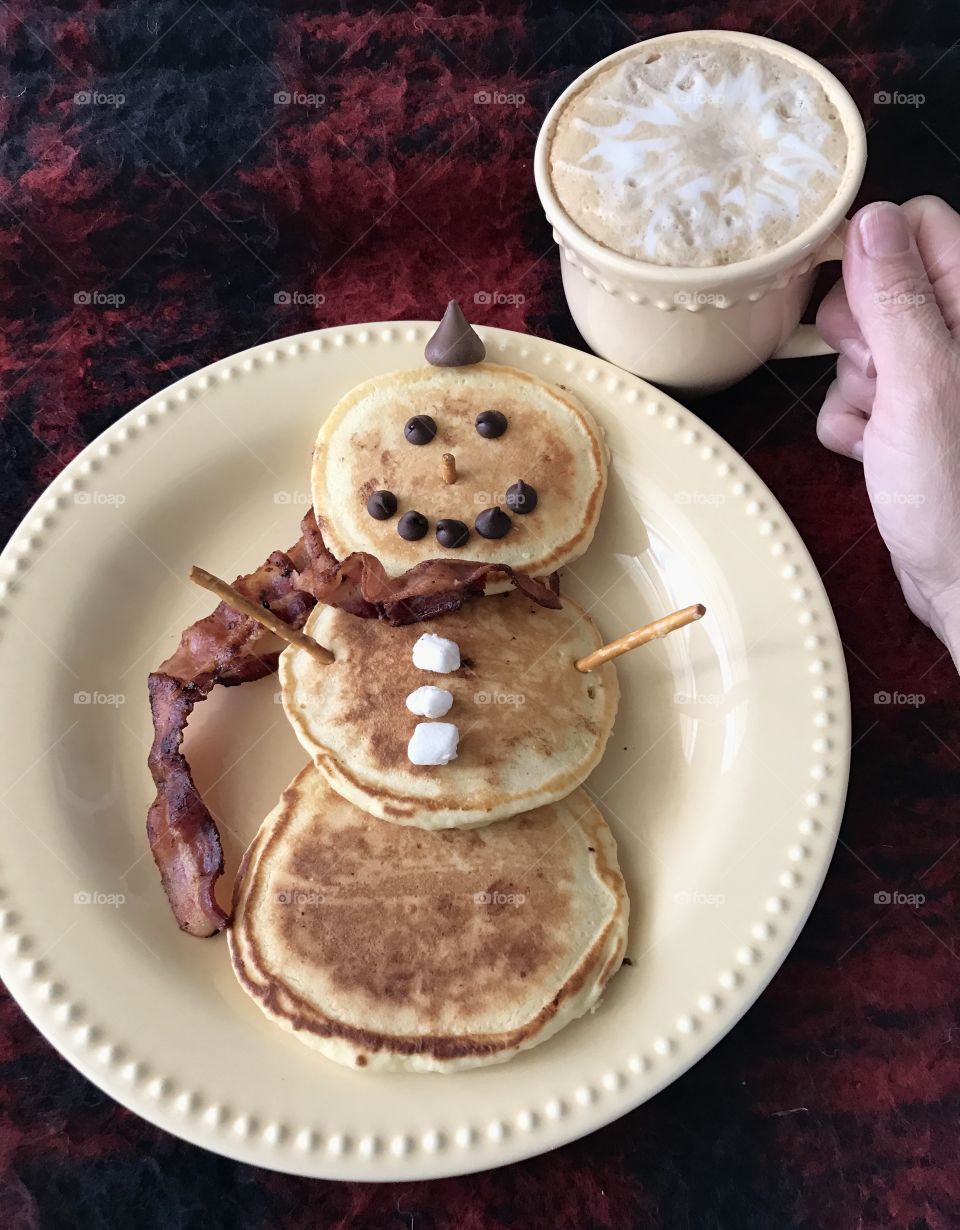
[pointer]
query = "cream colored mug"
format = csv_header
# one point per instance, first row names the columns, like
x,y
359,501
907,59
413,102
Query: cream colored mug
x,y
698,330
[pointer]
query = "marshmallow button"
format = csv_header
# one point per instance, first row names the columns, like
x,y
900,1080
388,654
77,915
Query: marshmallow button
x,y
436,653
433,743
430,702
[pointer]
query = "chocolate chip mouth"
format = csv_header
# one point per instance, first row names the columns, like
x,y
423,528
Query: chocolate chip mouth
x,y
521,497
412,526
491,523
381,505
452,533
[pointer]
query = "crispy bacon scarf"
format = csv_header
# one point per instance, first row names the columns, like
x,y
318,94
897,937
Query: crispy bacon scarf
x,y
230,649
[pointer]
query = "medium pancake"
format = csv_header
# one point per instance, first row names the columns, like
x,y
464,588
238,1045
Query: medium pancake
x,y
551,442
395,949
531,726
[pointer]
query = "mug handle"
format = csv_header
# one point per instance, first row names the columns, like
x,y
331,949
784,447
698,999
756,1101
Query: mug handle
x,y
805,342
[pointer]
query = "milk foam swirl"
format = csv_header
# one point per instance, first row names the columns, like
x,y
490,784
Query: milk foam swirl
x,y
698,155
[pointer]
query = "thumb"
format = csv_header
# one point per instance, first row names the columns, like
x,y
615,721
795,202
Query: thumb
x,y
891,297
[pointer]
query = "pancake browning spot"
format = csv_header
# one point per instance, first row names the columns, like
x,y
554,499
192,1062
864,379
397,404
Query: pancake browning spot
x,y
433,950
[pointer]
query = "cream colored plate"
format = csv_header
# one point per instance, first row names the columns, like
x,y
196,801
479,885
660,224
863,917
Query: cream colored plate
x,y
724,779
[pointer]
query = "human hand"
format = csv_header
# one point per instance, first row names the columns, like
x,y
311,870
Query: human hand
x,y
895,404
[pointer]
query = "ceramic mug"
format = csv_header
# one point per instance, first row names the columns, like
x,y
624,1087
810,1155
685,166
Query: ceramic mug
x,y
697,330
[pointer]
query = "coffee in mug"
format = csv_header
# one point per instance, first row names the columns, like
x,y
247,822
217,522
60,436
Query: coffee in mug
x,y
698,152
694,182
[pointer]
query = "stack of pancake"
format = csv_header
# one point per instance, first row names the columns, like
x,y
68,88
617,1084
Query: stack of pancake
x,y
432,917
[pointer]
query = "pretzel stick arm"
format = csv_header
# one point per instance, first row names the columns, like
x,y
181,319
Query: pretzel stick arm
x,y
226,593
640,636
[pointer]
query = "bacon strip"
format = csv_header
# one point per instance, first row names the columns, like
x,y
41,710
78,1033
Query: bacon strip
x,y
431,588
229,648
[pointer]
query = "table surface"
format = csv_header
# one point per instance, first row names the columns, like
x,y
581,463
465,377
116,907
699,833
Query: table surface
x,y
146,155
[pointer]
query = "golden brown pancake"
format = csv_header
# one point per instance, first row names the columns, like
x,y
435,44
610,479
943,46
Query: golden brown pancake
x,y
397,949
531,726
551,442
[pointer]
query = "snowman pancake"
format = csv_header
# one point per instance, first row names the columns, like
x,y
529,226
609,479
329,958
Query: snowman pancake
x,y
479,717
472,461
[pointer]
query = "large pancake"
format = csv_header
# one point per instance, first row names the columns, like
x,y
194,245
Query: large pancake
x,y
531,726
551,442
396,949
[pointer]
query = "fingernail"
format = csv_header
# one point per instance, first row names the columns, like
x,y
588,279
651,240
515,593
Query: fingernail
x,y
884,231
857,450
858,352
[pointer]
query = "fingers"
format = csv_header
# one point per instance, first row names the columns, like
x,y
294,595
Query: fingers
x,y
937,230
891,296
836,325
840,425
856,388
835,321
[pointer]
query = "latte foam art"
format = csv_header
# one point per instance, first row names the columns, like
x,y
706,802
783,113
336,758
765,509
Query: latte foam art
x,y
698,155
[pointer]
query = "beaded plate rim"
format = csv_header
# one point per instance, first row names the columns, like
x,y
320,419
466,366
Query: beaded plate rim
x,y
446,1150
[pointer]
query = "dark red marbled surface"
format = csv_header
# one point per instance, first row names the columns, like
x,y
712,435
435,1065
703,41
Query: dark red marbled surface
x,y
835,1102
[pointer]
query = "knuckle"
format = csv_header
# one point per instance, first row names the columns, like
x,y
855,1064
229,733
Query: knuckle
x,y
927,202
854,387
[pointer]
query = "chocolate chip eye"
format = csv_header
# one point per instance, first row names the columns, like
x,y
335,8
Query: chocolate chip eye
x,y
491,424
421,429
451,533
382,505
493,523
412,525
521,497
